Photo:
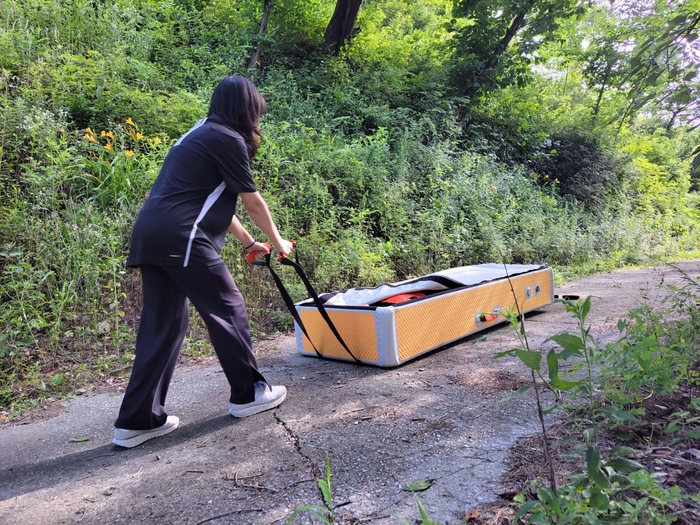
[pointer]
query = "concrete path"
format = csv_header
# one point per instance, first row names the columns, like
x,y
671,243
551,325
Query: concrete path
x,y
436,418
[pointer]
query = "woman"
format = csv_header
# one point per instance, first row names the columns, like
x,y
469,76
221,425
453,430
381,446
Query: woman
x,y
176,244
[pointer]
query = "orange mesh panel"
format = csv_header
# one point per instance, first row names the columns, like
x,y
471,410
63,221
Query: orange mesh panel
x,y
357,328
432,323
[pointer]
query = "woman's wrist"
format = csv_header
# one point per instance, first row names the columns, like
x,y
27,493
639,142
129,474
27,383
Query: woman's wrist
x,y
250,245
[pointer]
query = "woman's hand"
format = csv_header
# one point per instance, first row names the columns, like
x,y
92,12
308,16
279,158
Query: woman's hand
x,y
258,247
284,247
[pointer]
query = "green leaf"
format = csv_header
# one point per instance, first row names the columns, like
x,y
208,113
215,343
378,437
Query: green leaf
x,y
563,384
517,393
693,434
508,353
677,20
618,452
566,354
624,465
550,499
585,308
621,325
593,467
600,501
423,514
552,365
617,413
324,485
81,439
682,96
671,427
551,409
568,342
531,359
621,480
651,79
325,489
524,509
321,513
418,485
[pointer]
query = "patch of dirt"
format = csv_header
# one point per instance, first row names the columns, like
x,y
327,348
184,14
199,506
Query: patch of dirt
x,y
489,380
367,413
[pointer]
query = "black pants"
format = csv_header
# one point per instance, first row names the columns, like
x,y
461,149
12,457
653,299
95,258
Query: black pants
x,y
162,328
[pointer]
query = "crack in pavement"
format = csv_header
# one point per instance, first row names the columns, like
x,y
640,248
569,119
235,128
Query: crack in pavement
x,y
294,438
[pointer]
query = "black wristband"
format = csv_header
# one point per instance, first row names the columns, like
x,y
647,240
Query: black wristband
x,y
250,245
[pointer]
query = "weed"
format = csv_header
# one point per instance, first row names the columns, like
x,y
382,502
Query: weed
x,y
616,489
311,511
324,513
425,519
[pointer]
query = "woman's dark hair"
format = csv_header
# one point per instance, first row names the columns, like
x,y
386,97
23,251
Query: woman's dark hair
x,y
239,104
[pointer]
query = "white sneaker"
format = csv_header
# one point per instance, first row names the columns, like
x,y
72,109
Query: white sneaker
x,y
131,438
266,397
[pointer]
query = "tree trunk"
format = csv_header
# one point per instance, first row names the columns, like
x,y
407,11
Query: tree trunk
x,y
342,24
261,33
501,47
596,109
510,33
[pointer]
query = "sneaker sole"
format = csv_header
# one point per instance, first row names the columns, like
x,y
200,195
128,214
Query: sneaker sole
x,y
150,434
256,409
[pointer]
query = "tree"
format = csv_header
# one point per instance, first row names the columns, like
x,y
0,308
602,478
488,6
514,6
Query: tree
x,y
342,24
664,59
496,40
261,33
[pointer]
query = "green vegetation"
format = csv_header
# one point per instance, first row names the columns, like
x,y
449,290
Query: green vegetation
x,y
409,149
610,399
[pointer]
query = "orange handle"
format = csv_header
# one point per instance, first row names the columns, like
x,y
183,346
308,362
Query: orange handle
x,y
252,256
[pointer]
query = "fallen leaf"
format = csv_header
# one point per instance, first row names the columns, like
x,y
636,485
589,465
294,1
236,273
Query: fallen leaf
x,y
80,439
472,514
419,485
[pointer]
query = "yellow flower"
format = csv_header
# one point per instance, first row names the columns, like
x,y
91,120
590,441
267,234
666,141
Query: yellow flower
x,y
129,153
103,133
89,137
130,122
139,136
88,130
110,134
157,141
108,146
